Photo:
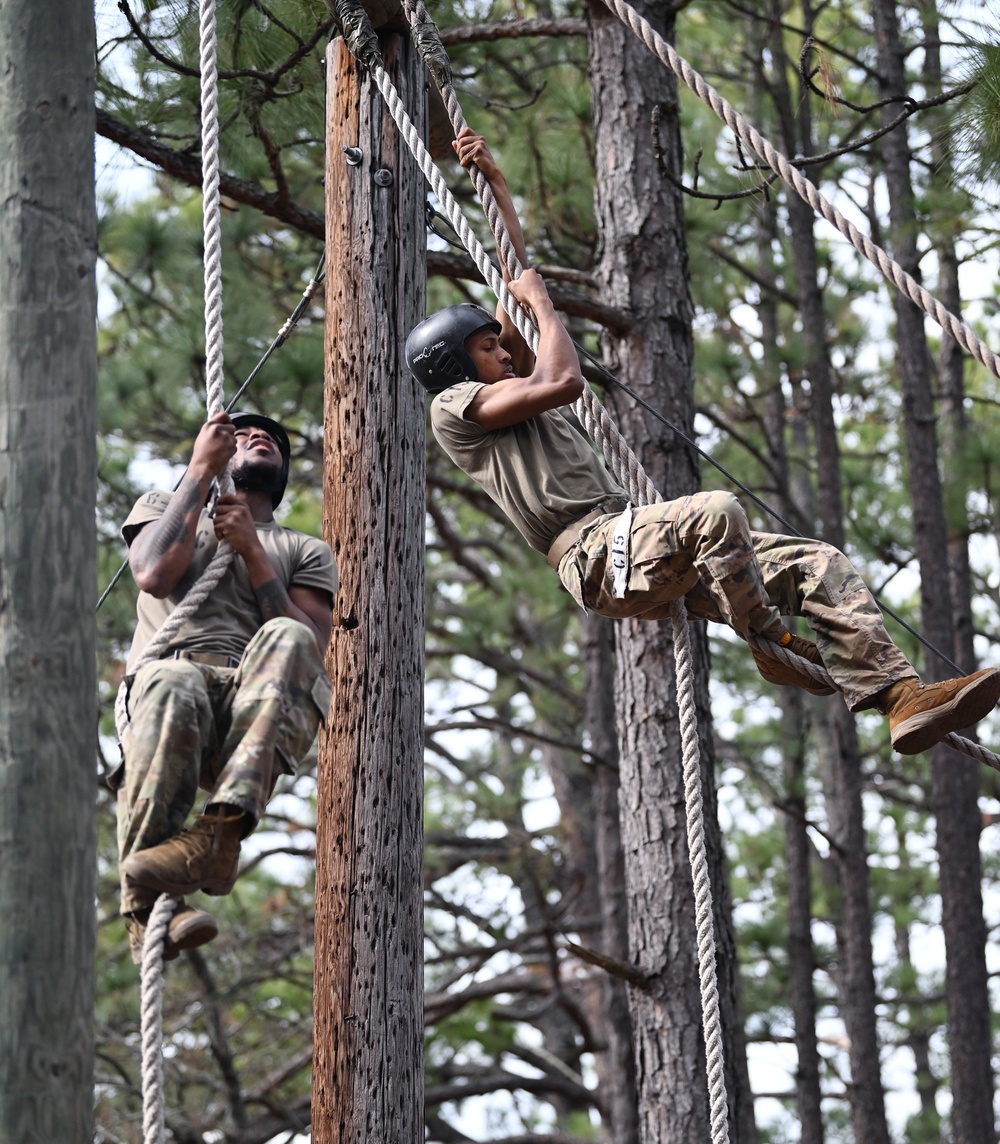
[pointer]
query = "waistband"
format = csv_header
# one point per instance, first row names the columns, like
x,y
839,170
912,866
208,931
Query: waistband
x,y
208,658
569,536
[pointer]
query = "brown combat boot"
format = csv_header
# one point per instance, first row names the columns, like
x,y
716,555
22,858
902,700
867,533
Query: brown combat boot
x,y
775,671
921,715
206,857
187,929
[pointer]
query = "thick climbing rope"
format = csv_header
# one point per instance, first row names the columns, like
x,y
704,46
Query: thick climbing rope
x,y
159,920
151,1018
212,226
967,338
363,43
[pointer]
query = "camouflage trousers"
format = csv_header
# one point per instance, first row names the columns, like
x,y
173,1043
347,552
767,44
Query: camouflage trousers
x,y
701,547
229,731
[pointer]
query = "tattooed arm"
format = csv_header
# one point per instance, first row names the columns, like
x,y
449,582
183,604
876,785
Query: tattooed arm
x,y
161,552
234,522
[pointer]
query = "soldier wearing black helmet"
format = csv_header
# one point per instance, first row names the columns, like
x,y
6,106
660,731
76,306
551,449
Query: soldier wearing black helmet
x,y
496,412
237,696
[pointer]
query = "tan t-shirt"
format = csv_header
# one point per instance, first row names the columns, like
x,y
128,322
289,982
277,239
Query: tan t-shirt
x,y
542,472
230,617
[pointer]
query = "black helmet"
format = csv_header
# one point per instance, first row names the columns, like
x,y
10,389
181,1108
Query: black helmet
x,y
274,430
435,350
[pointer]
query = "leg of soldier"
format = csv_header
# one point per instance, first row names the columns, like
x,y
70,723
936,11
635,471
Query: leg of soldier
x,y
698,546
171,729
815,580
280,692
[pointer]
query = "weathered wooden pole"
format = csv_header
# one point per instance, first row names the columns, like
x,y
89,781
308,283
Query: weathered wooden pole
x,y
367,1070
48,706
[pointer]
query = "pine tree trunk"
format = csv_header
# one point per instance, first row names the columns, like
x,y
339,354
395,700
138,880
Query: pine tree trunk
x,y
644,272
48,476
857,981
794,724
616,1064
954,781
368,1063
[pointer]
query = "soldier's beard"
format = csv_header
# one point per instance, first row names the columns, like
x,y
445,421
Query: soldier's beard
x,y
261,476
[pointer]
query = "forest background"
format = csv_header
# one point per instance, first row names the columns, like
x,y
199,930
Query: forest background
x,y
855,1016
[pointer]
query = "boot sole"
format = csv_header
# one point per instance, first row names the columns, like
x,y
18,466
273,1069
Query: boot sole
x,y
189,933
922,731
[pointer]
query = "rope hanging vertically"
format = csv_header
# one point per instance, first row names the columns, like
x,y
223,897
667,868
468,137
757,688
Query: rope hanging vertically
x,y
163,908
151,1019
212,258
362,42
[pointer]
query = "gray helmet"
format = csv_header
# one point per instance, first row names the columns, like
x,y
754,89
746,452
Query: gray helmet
x,y
280,437
435,350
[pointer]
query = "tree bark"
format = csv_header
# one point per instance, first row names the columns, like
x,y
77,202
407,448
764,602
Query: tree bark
x,y
644,272
616,1064
48,479
368,1070
954,782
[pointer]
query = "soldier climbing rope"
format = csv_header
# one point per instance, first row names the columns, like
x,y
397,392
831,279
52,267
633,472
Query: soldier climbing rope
x,y
595,419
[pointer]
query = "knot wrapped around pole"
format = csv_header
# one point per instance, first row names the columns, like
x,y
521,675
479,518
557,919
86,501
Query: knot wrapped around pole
x,y
358,33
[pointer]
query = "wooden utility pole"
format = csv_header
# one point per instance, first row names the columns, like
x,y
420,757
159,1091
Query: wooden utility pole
x,y
48,708
367,1065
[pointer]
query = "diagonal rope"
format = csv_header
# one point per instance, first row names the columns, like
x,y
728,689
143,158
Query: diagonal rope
x,y
908,286
594,417
626,466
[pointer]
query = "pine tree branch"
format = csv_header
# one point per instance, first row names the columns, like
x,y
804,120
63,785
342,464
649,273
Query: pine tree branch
x,y
512,30
186,168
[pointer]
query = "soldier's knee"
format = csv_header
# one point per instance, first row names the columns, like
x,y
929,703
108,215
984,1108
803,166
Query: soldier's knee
x,y
829,559
285,630
725,508
290,639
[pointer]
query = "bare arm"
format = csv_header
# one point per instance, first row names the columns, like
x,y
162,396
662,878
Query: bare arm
x,y
310,606
555,379
161,552
470,148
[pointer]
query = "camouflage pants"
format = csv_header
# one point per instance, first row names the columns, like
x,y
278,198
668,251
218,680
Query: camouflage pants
x,y
701,547
230,731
